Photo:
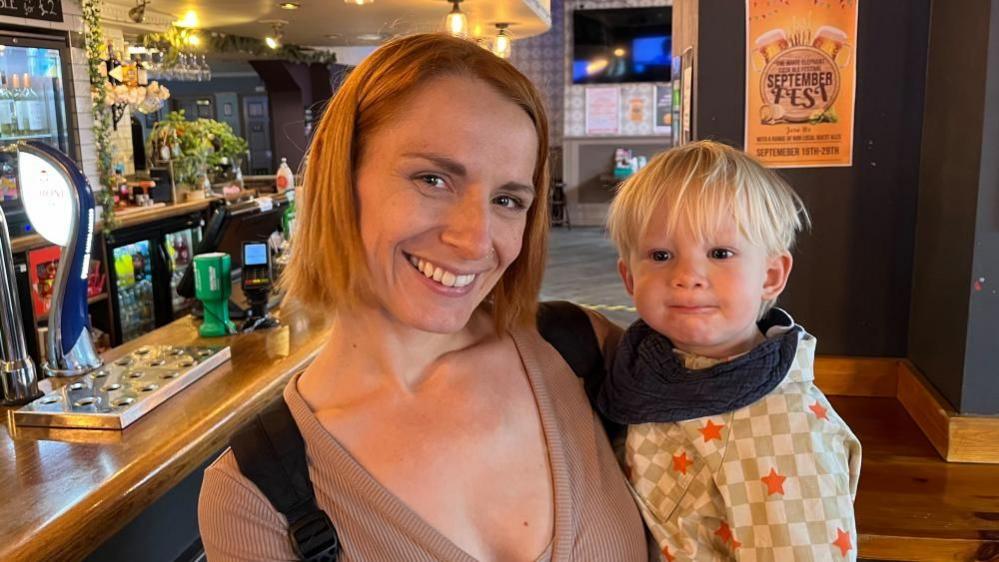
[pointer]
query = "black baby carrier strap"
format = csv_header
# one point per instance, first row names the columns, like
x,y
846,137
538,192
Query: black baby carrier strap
x,y
567,328
270,452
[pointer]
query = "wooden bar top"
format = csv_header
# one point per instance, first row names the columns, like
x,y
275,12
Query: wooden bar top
x,y
130,217
65,491
911,504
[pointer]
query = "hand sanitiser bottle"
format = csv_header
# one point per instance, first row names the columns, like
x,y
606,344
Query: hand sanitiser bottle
x,y
285,178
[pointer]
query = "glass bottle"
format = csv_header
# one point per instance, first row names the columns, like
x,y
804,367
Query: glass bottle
x,y
20,108
8,117
37,123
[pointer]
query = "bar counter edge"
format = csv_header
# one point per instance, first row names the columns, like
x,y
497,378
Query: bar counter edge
x,y
66,491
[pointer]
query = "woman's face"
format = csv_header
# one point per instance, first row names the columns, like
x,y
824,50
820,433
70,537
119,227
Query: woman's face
x,y
444,189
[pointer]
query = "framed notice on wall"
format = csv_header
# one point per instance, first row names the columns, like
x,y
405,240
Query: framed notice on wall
x,y
603,110
801,75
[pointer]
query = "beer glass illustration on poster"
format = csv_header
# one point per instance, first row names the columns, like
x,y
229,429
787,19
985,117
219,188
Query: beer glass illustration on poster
x,y
801,73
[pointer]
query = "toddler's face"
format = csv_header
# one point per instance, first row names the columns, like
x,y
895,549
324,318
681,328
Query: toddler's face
x,y
704,295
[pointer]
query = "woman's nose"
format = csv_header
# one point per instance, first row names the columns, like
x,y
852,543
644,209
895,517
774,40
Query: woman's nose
x,y
468,229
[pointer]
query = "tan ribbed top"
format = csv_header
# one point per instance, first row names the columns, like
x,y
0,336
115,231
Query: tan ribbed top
x,y
595,516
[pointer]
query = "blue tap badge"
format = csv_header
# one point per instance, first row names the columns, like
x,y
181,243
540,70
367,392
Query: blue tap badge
x,y
60,205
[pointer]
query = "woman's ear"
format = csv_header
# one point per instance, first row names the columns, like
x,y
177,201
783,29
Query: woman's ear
x,y
625,273
778,270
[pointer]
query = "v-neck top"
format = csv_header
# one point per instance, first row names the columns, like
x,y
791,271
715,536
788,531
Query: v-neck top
x,y
595,518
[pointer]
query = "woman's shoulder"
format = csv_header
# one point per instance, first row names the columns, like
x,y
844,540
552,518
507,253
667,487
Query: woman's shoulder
x,y
235,519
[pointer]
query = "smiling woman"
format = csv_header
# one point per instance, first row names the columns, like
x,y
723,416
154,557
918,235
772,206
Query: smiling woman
x,y
437,424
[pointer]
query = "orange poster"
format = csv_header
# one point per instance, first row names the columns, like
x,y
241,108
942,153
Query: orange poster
x,y
801,75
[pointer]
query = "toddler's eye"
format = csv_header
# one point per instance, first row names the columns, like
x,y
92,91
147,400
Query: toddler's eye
x,y
659,255
721,254
432,180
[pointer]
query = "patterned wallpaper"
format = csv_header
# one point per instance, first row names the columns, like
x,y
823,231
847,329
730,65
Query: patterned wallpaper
x,y
540,58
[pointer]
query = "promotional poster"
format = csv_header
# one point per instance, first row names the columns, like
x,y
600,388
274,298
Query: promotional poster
x,y
801,61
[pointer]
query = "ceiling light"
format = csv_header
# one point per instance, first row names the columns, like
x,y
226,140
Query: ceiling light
x,y
193,40
456,22
502,45
358,2
289,5
138,12
370,36
619,52
274,39
190,19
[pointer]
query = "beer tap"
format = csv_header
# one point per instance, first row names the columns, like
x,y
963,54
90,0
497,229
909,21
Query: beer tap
x,y
17,371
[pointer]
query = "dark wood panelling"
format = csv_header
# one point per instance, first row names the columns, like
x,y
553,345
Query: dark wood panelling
x,y
851,280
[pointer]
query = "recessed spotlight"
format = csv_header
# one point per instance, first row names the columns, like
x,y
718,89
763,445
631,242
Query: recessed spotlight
x,y
290,5
370,36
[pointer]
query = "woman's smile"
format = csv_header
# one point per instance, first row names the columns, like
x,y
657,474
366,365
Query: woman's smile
x,y
442,276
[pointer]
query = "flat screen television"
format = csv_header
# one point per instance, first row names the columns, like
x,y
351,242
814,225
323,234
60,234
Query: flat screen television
x,y
622,45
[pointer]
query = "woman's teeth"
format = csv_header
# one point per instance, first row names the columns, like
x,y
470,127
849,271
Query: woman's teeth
x,y
440,275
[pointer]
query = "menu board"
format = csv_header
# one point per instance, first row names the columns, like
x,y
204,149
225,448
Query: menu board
x,y
801,67
47,10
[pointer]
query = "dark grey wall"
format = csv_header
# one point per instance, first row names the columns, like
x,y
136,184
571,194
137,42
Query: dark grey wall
x,y
852,274
954,334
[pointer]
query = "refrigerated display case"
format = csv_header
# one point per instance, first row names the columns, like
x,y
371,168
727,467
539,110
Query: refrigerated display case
x,y
180,247
147,262
134,288
33,105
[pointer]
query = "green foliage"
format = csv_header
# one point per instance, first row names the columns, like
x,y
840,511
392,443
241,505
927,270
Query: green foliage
x,y
196,147
175,40
94,37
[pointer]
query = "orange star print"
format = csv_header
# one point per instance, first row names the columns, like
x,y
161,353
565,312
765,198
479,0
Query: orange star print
x,y
774,482
725,533
842,541
680,462
711,431
819,411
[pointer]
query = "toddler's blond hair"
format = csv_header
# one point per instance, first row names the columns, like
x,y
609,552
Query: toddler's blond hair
x,y
704,184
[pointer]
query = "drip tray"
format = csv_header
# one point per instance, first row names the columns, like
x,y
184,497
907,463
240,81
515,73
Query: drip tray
x,y
121,392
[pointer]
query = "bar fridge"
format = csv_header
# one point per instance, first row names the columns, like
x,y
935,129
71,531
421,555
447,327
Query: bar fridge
x,y
33,105
147,262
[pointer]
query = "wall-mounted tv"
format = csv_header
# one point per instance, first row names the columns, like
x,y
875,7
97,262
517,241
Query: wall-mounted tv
x,y
622,45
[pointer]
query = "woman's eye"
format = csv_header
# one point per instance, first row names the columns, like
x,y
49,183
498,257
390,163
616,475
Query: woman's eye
x,y
721,254
659,255
509,202
432,180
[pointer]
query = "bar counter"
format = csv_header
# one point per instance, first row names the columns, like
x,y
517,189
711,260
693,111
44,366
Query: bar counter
x,y
66,491
129,217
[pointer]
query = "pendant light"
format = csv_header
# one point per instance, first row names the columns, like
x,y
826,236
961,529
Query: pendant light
x,y
456,22
503,44
274,40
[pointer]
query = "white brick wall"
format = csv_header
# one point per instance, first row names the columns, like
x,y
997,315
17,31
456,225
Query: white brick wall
x,y
81,106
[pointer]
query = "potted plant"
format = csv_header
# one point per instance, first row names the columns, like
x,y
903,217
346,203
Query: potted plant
x,y
179,144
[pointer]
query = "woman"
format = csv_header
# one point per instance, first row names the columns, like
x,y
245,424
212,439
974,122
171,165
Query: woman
x,y
438,424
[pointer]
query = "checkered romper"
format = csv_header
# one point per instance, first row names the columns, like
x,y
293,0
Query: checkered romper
x,y
772,481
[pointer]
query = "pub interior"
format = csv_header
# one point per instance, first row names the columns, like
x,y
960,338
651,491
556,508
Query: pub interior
x,y
190,121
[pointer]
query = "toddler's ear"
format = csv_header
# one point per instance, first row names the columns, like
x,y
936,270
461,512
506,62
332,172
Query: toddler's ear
x,y
629,281
778,270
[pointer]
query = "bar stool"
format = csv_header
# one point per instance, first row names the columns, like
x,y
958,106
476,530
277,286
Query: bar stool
x,y
560,213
